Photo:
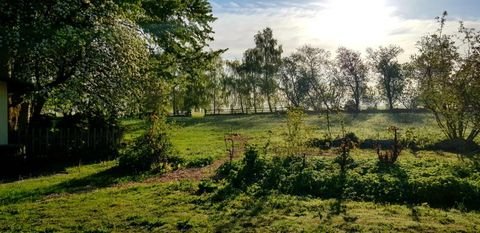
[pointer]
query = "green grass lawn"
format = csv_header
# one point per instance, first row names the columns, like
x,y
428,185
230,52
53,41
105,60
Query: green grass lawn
x,y
204,137
42,205
96,198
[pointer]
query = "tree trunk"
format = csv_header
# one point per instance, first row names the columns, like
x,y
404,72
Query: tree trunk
x,y
37,106
255,102
241,104
269,103
357,105
174,102
390,103
357,96
328,124
214,103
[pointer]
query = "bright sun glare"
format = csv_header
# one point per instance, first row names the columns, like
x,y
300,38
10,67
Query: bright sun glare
x,y
352,22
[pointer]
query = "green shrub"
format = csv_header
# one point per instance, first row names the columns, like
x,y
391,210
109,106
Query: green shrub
x,y
319,143
199,161
151,151
296,135
253,167
353,138
456,146
329,143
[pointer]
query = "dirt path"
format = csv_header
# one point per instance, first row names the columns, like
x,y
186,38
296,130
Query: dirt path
x,y
194,174
197,174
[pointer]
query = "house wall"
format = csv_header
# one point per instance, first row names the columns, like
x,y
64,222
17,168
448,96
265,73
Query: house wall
x,y
3,114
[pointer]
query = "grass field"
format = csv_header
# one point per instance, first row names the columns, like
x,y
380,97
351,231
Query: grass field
x,y
96,198
204,137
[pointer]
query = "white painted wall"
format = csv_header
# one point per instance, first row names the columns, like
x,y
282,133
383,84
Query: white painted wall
x,y
3,114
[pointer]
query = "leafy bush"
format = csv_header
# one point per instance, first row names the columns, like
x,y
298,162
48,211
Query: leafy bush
x,y
199,161
353,138
456,146
328,143
296,135
344,159
151,151
319,143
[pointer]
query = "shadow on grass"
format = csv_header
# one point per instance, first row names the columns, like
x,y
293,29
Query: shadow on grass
x,y
89,183
228,121
244,217
458,146
407,118
15,169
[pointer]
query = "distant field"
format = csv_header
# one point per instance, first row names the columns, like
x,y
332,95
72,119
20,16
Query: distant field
x,y
204,136
95,198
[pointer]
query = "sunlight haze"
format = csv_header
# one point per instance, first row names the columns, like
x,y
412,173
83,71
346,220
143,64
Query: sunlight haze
x,y
329,24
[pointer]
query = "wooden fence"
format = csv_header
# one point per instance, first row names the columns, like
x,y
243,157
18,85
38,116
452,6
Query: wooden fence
x,y
238,111
48,141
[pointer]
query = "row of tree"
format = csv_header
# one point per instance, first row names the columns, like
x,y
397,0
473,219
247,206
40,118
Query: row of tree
x,y
438,78
312,79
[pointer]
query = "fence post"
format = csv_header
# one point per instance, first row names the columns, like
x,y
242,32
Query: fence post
x,y
46,141
94,138
108,142
88,137
33,140
102,136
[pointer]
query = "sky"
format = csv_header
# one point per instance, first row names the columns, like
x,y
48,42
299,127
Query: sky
x,y
329,24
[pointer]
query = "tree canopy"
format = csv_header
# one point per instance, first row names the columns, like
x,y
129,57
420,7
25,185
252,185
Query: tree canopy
x,y
449,81
99,57
384,61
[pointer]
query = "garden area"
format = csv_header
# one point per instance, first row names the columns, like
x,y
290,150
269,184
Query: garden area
x,y
239,116
425,190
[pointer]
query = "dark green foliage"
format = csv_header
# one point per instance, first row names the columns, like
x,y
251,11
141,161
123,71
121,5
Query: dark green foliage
x,y
416,181
184,225
253,167
344,159
456,146
354,141
153,150
199,162
352,137
316,142
140,222
206,186
139,156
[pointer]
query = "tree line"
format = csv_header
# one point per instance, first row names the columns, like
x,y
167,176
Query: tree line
x,y
98,61
311,78
439,77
